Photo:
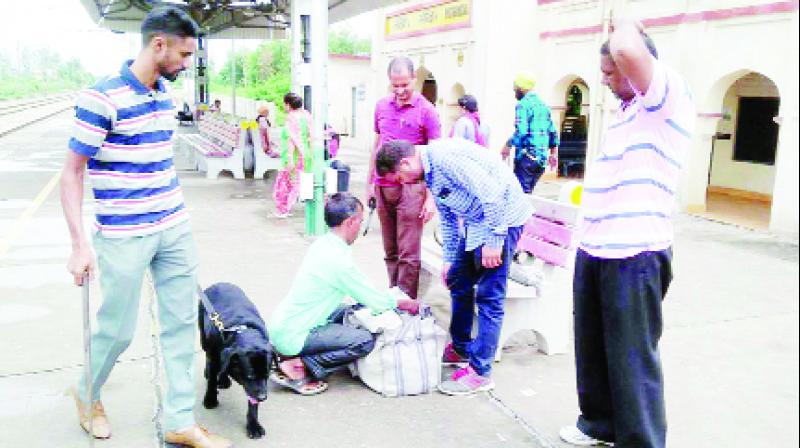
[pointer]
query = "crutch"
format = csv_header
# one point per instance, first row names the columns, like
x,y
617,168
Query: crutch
x,y
87,354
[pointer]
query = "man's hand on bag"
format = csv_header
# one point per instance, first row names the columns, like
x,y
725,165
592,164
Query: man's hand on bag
x,y
81,261
505,152
492,257
445,270
410,306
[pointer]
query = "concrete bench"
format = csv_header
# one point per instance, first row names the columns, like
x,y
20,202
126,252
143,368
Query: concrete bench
x,y
539,295
262,161
219,146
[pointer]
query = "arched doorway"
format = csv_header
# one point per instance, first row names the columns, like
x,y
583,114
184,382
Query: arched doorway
x,y
573,127
453,112
426,85
741,173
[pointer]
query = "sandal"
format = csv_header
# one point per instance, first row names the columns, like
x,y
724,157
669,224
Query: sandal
x,y
299,386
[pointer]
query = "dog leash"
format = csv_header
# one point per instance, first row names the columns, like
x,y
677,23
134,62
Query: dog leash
x,y
87,353
214,316
372,203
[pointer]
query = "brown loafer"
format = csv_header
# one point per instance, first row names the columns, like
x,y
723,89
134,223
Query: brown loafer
x,y
197,437
101,428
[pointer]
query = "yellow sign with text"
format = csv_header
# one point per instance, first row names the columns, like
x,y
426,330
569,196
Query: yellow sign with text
x,y
430,18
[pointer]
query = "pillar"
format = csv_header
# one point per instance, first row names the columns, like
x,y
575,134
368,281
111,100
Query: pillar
x,y
201,71
309,77
696,165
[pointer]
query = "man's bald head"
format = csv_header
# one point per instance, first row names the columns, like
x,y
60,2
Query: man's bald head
x,y
402,79
401,65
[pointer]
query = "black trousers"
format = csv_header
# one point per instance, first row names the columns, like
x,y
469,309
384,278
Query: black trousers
x,y
333,346
528,172
618,324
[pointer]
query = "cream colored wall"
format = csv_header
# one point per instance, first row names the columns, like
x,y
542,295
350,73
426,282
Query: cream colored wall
x,y
344,74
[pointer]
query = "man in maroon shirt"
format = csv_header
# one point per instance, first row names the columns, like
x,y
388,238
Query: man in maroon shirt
x,y
403,209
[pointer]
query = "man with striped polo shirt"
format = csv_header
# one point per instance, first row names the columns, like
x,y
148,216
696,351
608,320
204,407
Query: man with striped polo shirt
x,y
122,139
623,267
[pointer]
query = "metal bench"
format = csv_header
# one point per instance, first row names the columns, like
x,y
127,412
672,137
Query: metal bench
x,y
539,295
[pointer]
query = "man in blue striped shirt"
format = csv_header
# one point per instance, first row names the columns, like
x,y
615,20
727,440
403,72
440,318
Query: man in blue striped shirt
x,y
474,186
122,137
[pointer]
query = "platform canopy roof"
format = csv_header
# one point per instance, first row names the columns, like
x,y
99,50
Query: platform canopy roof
x,y
243,19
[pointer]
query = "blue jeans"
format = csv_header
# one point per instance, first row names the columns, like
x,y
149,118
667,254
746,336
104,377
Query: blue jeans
x,y
333,346
171,257
528,172
618,324
471,284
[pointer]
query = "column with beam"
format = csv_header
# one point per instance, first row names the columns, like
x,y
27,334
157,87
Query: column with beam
x,y
309,78
201,71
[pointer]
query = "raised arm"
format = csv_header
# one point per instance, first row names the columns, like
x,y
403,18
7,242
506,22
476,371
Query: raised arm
x,y
630,54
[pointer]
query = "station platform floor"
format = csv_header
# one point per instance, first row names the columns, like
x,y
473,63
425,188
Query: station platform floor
x,y
730,346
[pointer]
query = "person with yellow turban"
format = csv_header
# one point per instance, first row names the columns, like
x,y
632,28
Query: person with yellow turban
x,y
535,137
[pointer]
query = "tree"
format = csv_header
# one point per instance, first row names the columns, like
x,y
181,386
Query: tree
x,y
225,72
345,42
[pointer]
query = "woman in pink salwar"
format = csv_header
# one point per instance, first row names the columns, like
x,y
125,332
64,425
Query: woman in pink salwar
x,y
295,154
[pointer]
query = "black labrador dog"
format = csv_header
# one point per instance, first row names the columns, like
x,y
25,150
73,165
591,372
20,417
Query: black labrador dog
x,y
241,352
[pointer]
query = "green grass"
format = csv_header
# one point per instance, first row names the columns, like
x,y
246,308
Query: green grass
x,y
23,87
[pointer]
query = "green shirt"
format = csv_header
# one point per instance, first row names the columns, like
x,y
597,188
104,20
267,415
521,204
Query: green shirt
x,y
327,275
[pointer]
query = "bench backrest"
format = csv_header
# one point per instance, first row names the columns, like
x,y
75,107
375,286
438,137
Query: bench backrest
x,y
549,234
218,130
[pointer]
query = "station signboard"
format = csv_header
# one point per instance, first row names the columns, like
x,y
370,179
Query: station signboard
x,y
429,18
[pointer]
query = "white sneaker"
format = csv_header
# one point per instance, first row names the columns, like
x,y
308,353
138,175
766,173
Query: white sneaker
x,y
574,436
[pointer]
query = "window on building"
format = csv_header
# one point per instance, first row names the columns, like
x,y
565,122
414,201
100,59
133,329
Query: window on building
x,y
756,138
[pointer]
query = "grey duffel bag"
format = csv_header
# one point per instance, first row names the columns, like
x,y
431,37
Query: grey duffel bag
x,y
407,358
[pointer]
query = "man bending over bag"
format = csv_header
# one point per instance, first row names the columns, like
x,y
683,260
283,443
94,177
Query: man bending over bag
x,y
473,185
306,328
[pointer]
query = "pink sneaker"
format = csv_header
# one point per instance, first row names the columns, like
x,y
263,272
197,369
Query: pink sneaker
x,y
452,358
466,382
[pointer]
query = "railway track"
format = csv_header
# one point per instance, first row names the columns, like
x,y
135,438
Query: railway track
x,y
16,114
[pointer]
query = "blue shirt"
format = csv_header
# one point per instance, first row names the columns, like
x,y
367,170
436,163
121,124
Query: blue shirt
x,y
125,128
475,185
534,132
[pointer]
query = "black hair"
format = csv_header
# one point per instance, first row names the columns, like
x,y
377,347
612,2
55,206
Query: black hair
x,y
293,100
605,49
169,20
469,103
390,154
400,64
339,207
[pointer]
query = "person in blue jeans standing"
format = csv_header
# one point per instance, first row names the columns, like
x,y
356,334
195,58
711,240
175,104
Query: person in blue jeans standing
x,y
534,134
483,210
122,138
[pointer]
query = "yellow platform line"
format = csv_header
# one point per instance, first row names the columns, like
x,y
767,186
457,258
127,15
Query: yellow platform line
x,y
7,241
